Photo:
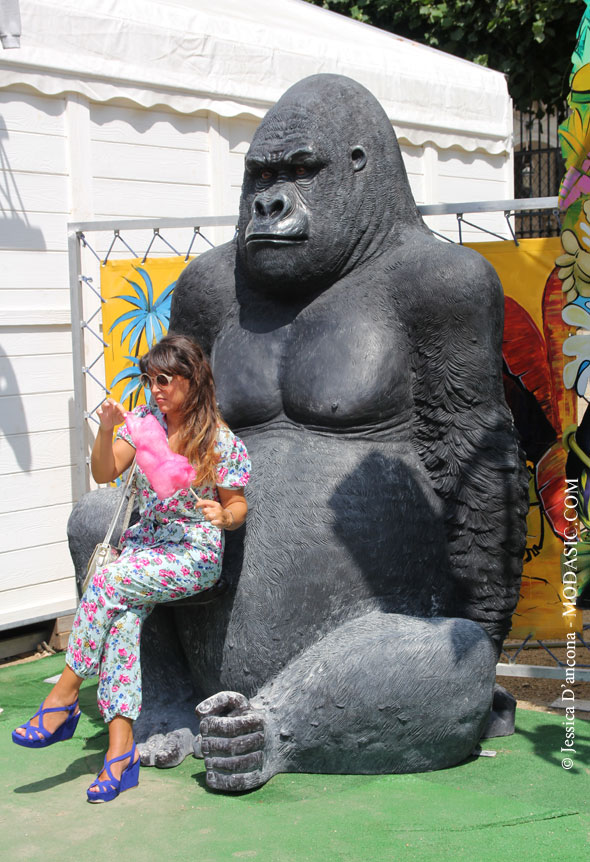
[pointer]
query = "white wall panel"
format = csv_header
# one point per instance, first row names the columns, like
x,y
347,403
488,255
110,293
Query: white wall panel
x,y
153,128
116,199
29,567
43,450
169,165
39,601
25,414
22,375
32,152
33,193
32,270
40,341
23,111
47,487
33,298
41,527
38,231
240,132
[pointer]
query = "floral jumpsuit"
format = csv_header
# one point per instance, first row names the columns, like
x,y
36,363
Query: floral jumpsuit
x,y
171,553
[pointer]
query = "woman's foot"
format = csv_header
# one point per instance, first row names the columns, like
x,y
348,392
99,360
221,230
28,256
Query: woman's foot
x,y
118,767
54,721
120,773
62,700
121,763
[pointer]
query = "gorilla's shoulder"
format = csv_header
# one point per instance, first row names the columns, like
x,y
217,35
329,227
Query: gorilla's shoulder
x,y
203,293
210,270
442,272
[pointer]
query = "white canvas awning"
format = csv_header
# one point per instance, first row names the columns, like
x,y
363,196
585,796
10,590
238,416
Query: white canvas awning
x,y
237,58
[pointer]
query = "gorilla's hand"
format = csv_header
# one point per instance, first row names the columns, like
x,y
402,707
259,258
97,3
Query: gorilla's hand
x,y
232,742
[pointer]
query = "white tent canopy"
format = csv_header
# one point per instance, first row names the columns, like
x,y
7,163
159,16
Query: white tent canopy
x,y
238,59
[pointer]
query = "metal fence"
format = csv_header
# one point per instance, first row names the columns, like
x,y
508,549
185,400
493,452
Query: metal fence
x,y
538,171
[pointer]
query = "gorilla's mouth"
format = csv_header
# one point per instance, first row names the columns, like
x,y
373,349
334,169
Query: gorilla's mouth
x,y
275,238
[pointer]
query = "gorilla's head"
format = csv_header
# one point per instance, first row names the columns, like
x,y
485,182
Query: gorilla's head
x,y
324,187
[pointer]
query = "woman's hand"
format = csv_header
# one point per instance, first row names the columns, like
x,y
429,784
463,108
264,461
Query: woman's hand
x,y
110,458
215,513
110,413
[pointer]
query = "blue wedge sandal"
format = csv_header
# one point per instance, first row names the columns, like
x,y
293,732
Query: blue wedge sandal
x,y
111,787
40,737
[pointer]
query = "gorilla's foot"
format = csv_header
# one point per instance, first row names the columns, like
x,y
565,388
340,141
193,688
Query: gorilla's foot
x,y
233,743
167,749
147,750
165,733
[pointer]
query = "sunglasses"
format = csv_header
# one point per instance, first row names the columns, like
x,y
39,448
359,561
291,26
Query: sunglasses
x,y
162,380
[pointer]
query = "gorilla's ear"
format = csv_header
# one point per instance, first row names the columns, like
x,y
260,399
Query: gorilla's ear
x,y
359,157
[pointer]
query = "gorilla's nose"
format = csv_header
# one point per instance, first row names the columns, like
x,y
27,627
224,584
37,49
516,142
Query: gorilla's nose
x,y
271,207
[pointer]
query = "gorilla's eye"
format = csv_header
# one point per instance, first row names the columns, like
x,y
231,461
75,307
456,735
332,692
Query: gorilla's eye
x,y
266,174
300,171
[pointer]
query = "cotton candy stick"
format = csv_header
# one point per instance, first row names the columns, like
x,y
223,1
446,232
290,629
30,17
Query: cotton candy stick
x,y
166,471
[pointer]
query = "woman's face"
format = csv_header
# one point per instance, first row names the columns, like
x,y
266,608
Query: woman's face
x,y
170,398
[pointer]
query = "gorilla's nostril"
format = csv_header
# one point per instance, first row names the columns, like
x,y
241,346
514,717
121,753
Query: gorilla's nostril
x,y
270,208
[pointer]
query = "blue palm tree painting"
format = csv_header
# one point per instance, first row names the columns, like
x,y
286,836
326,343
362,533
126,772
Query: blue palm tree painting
x,y
149,318
133,388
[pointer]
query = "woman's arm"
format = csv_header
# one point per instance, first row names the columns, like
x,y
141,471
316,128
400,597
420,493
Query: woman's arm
x,y
110,459
230,513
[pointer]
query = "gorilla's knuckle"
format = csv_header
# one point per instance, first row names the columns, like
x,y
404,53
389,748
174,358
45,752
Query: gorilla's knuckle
x,y
235,765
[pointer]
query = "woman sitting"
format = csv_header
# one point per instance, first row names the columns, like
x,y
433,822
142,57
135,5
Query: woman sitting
x,y
173,552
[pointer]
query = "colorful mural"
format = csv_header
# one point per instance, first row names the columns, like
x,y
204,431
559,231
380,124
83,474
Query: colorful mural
x,y
135,315
543,407
574,272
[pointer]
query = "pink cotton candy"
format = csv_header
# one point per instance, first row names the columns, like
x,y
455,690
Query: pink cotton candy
x,y
166,471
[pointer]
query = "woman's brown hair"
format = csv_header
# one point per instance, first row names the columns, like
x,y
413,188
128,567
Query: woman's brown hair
x,y
180,355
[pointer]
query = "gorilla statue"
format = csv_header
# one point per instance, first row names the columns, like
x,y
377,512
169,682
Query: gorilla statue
x,y
359,358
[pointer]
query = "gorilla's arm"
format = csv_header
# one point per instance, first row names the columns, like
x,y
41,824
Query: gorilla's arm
x,y
203,295
464,432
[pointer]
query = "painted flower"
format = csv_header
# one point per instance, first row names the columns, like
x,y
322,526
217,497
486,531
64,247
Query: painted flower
x,y
576,374
574,264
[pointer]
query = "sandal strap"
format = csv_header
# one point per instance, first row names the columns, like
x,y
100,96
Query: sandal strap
x,y
41,729
111,780
107,763
102,785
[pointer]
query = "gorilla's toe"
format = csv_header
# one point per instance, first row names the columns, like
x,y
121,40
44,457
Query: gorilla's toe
x,y
174,748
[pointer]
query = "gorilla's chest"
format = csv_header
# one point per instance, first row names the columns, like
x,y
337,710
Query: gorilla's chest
x,y
330,366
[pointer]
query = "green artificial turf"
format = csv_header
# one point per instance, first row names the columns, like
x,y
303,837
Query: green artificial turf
x,y
520,804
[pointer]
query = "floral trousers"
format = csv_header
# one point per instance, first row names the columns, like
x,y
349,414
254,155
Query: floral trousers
x,y
106,634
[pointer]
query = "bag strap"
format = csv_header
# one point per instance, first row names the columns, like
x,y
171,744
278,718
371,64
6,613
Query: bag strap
x,y
128,511
113,524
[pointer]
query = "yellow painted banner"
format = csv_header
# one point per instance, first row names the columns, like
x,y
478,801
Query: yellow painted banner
x,y
543,408
134,317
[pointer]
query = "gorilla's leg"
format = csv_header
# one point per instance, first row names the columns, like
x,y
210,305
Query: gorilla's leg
x,y
382,693
167,724
166,728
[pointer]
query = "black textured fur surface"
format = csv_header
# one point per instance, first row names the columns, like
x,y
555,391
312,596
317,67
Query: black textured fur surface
x,y
360,360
